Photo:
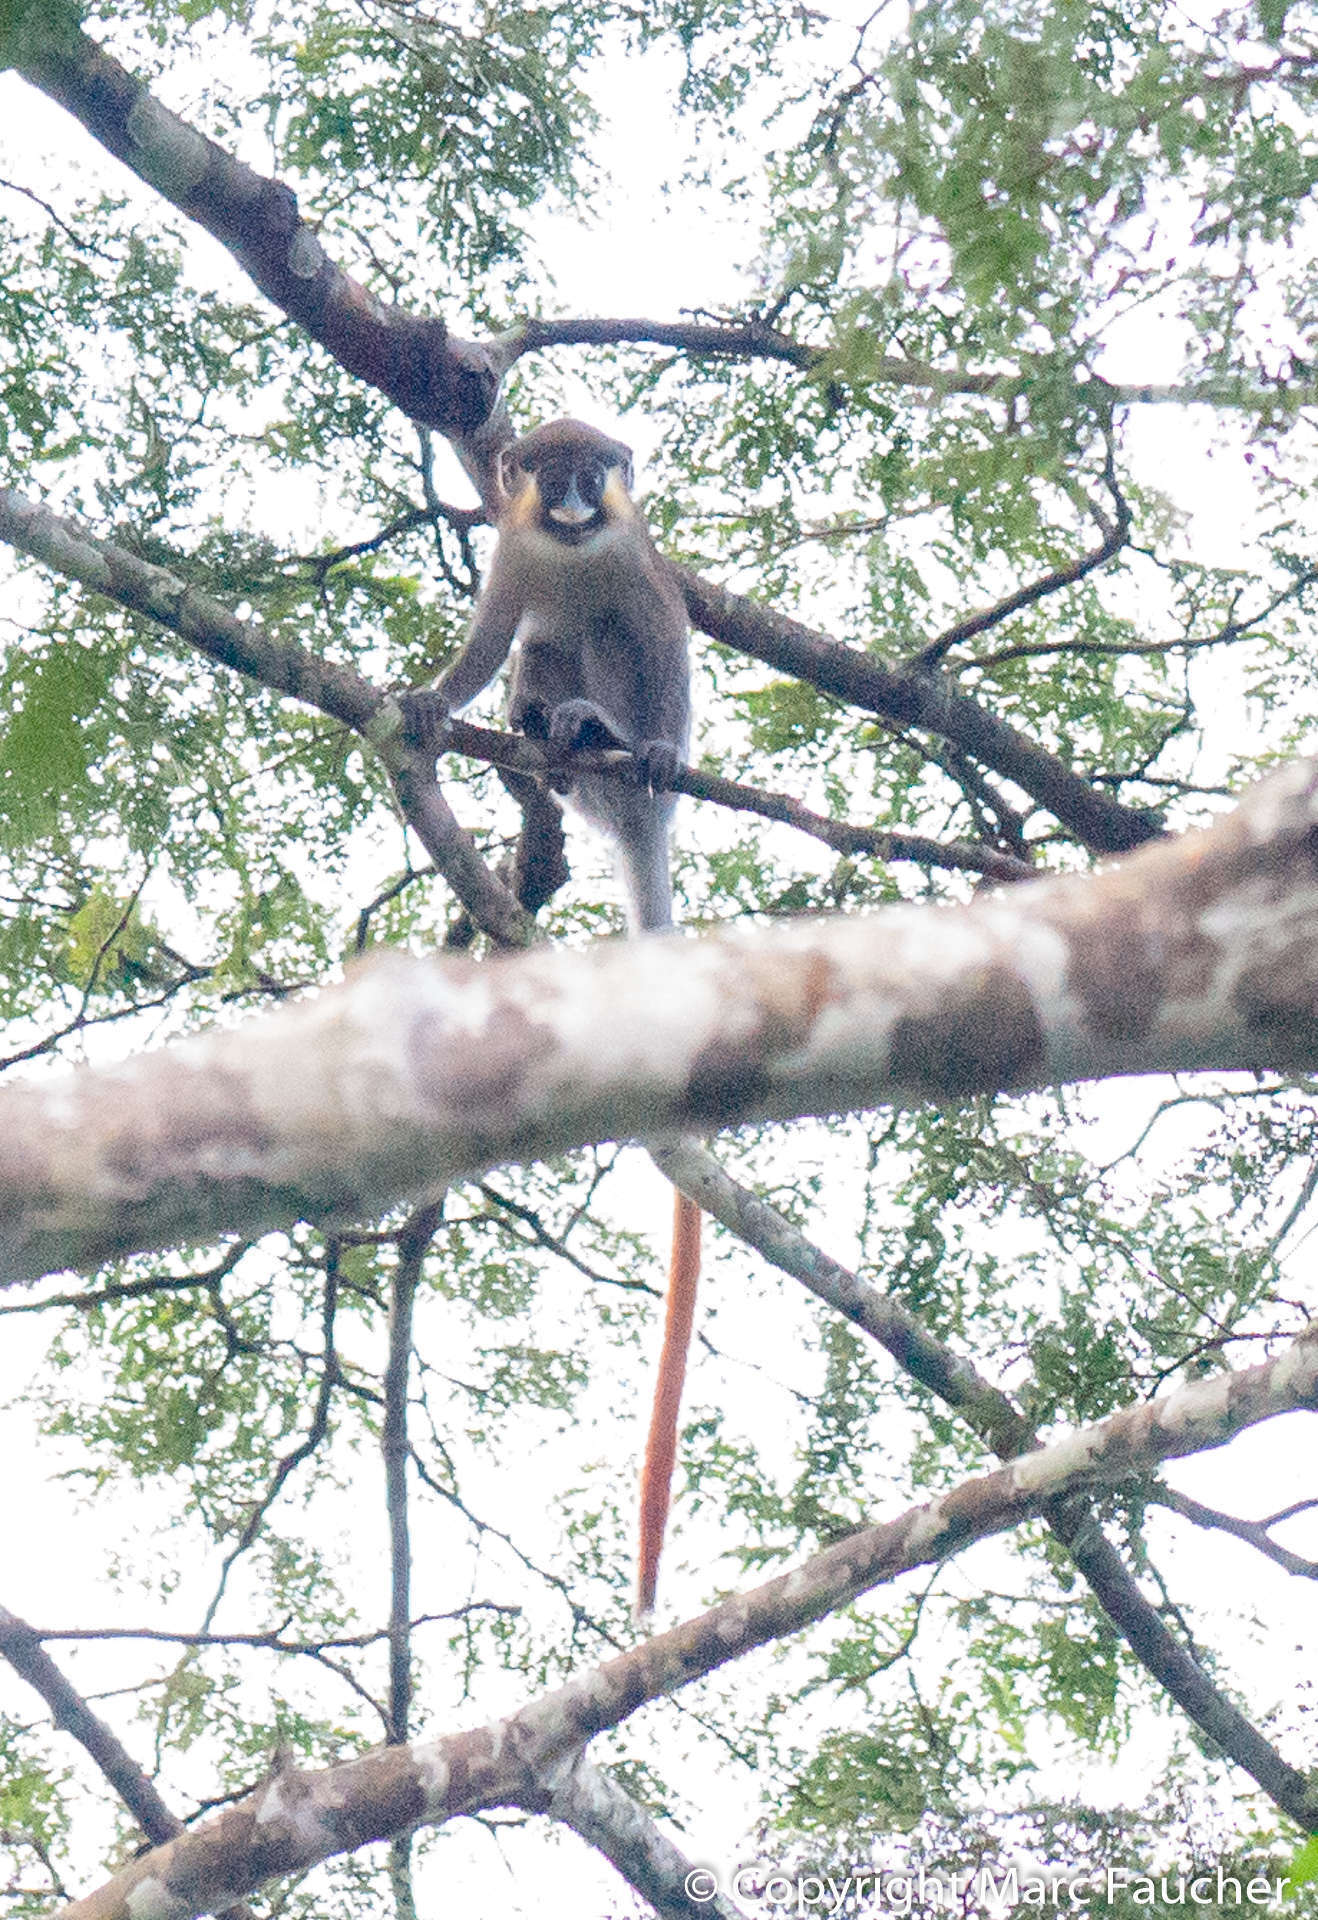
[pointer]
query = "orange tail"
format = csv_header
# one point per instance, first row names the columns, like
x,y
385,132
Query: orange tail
x,y
661,1445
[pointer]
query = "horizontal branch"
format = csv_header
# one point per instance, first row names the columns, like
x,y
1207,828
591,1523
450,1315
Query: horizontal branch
x,y
296,1819
517,754
755,339
1196,953
69,548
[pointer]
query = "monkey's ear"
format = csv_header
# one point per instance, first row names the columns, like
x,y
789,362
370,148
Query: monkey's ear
x,y
506,469
628,473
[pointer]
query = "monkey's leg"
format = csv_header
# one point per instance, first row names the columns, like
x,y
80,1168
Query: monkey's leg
x,y
580,726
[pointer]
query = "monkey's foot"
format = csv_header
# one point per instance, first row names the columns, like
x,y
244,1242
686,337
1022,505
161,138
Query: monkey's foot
x,y
579,726
657,762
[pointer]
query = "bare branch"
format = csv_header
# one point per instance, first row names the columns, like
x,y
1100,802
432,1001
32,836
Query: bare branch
x,y
515,753
721,340
1116,533
1256,1533
310,1442
917,699
22,1648
995,1418
395,1446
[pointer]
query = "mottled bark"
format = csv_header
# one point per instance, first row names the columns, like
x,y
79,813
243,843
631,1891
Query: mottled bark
x,y
295,1819
280,664
1198,953
991,1414
434,376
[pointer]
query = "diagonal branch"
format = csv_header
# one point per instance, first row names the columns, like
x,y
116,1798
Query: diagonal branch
x,y
595,1806
295,1819
1256,1533
22,1648
431,374
1194,953
515,753
99,565
998,1422
914,698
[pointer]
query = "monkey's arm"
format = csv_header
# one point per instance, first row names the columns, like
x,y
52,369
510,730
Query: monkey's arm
x,y
493,626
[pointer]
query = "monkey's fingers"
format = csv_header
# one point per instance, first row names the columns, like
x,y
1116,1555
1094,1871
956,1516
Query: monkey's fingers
x,y
426,717
657,762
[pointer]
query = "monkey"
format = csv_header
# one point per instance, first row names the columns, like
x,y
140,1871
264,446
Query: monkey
x,y
598,632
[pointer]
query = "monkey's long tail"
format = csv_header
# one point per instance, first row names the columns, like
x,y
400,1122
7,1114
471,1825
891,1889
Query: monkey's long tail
x,y
661,1444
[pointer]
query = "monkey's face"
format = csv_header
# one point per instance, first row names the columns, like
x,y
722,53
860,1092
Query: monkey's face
x,y
577,494
569,480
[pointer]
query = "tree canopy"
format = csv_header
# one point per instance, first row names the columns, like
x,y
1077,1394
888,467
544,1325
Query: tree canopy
x,y
973,402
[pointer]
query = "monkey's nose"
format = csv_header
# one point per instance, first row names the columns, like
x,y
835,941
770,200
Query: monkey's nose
x,y
577,505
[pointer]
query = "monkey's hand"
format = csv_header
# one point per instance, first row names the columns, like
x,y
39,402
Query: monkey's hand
x,y
657,762
426,714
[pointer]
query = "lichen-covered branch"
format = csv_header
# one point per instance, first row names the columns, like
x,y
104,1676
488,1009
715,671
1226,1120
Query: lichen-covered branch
x,y
67,547
295,1819
1196,953
595,1806
434,376
999,1423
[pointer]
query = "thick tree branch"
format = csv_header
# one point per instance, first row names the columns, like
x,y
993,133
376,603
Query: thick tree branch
x,y
434,376
1197,953
68,548
993,1416
296,1819
22,1648
595,1806
914,698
